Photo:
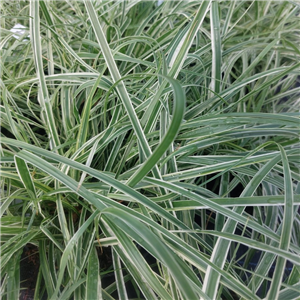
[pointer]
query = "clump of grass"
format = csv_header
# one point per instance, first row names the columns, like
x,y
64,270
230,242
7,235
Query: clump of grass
x,y
165,134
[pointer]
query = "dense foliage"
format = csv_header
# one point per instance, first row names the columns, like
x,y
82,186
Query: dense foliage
x,y
150,150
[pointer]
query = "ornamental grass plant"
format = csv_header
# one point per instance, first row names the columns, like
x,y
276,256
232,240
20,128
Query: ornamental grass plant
x,y
150,149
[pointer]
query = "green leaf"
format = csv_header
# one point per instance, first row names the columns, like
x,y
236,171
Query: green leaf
x,y
93,282
139,232
25,176
285,238
67,252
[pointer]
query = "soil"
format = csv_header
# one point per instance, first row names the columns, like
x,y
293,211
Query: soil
x,y
29,269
